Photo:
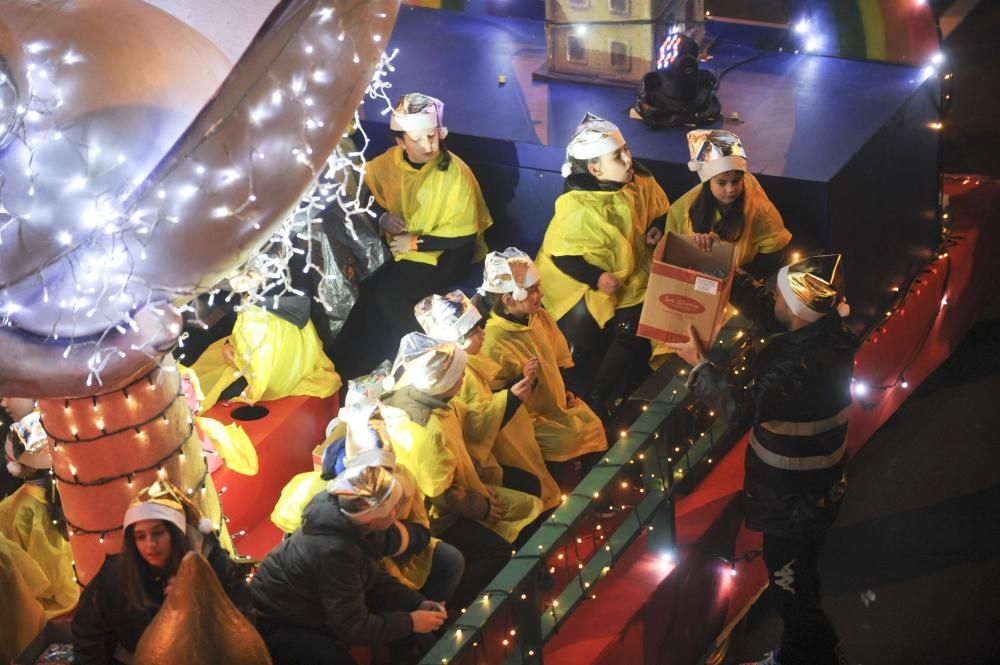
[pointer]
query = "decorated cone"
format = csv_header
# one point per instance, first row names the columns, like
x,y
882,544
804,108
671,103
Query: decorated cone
x,y
106,447
198,624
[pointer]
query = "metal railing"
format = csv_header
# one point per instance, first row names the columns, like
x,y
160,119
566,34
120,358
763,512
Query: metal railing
x,y
519,611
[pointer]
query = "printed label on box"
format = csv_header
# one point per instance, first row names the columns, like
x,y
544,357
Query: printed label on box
x,y
682,304
703,285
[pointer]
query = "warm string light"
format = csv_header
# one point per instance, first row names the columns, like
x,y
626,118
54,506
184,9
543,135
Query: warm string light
x,y
104,480
75,530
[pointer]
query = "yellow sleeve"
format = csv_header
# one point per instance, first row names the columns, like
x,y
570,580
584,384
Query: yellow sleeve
x,y
678,219
564,357
378,178
461,209
47,548
768,232
430,460
657,202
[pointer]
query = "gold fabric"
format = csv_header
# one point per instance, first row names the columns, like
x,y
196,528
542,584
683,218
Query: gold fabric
x,y
448,204
608,229
198,624
562,432
25,522
813,281
277,358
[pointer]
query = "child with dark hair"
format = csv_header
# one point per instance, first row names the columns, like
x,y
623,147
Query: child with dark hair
x,y
729,204
124,597
519,331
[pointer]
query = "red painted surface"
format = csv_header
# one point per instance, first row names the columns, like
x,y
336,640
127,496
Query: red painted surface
x,y
284,440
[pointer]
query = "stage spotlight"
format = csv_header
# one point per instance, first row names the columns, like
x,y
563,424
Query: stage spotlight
x,y
678,62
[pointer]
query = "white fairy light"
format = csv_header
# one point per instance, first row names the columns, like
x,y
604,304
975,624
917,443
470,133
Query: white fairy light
x,y
112,208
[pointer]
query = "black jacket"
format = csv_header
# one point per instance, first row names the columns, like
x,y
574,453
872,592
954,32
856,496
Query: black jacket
x,y
103,620
797,406
327,575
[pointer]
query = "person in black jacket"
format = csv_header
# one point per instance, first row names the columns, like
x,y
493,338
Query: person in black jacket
x,y
325,588
125,595
798,405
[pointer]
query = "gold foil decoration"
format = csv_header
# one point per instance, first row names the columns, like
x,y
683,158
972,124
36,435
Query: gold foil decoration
x,y
198,624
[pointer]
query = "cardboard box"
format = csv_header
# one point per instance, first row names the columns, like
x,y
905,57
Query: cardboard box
x,y
687,287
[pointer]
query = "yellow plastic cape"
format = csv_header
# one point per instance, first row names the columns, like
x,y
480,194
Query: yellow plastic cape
x,y
562,432
22,582
277,358
608,229
764,233
25,522
488,443
412,570
232,444
436,455
446,203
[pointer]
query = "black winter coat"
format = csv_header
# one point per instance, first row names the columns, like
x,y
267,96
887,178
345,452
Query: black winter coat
x,y
326,575
797,406
104,621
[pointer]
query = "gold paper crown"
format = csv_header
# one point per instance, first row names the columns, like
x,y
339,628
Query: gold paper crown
x,y
155,501
814,286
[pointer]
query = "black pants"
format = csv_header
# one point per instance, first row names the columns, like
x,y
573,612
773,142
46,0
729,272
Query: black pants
x,y
485,554
405,283
291,644
793,573
609,362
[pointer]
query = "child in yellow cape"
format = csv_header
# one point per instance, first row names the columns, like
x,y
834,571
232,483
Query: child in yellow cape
x,y
30,518
426,433
435,214
277,353
415,558
499,433
728,205
519,330
595,261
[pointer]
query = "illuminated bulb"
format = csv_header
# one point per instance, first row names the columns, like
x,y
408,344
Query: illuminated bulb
x,y
937,58
813,44
904,385
802,26
732,570
859,388
580,30
65,238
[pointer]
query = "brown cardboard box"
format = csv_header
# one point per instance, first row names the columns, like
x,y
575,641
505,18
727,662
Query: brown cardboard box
x,y
685,288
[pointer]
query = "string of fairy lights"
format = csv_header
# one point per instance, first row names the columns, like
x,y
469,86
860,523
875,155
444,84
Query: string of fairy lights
x,y
92,271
